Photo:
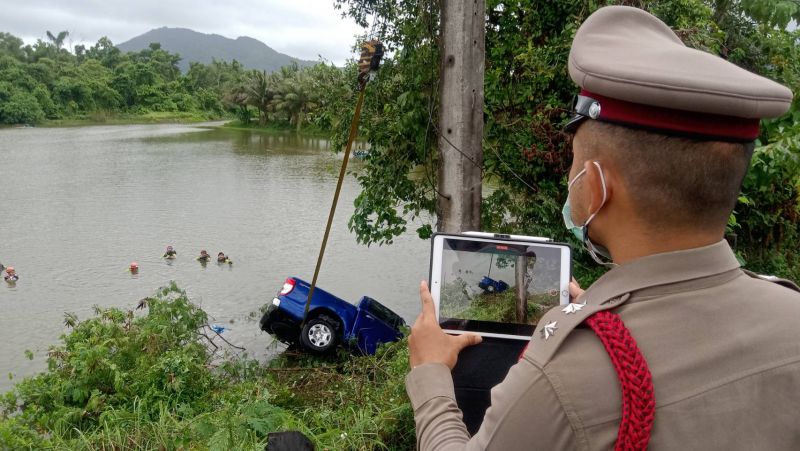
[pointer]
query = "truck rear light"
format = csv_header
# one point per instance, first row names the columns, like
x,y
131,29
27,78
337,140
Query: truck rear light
x,y
288,286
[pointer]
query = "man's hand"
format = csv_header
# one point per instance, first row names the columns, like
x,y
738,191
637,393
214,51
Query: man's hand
x,y
575,290
428,343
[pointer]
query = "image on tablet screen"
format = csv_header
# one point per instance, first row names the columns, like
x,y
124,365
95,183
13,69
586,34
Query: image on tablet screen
x,y
506,283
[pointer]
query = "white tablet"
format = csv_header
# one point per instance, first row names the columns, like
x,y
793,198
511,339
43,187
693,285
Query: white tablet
x,y
497,285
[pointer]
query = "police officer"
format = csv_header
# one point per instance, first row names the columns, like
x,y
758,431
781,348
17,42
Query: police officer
x,y
676,347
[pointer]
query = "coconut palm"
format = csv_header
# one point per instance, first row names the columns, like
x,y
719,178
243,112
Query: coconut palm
x,y
296,97
260,91
58,40
237,98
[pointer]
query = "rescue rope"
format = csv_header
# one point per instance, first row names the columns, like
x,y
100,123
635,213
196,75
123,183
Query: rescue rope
x,y
635,380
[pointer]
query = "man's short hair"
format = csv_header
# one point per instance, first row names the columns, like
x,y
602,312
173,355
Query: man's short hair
x,y
675,181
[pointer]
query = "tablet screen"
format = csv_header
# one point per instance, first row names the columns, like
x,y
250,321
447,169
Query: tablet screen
x,y
496,287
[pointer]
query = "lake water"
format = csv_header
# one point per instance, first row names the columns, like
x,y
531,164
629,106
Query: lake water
x,y
79,204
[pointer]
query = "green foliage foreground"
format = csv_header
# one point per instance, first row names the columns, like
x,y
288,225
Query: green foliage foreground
x,y
162,379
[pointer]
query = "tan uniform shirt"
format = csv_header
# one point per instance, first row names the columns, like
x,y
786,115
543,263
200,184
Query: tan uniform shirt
x,y
723,349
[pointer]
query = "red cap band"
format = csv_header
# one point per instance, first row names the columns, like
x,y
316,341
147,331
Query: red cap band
x,y
682,122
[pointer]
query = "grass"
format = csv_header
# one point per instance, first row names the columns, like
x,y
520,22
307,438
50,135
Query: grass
x,y
161,380
496,307
279,127
158,117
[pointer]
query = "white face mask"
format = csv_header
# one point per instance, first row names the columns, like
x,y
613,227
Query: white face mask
x,y
582,232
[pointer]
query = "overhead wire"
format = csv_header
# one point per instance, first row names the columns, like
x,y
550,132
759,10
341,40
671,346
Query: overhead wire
x,y
484,144
433,93
431,123
439,133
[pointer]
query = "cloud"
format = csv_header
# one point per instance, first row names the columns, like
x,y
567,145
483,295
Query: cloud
x,y
300,28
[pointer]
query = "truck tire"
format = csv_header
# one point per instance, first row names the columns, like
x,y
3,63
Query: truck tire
x,y
319,335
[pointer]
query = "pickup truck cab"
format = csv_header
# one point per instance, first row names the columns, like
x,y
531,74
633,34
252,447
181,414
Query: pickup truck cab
x,y
331,320
489,285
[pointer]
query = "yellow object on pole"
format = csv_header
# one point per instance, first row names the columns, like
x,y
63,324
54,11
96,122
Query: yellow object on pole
x,y
371,54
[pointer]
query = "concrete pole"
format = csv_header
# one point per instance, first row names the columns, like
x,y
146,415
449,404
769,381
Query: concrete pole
x,y
461,115
520,273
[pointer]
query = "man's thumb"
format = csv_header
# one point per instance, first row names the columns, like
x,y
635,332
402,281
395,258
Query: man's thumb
x,y
467,340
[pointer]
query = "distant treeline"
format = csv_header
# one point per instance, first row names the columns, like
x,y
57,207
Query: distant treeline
x,y
45,81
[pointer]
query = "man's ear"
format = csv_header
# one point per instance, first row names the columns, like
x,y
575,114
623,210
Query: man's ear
x,y
594,183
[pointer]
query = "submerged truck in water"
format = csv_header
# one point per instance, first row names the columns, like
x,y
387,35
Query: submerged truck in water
x,y
331,321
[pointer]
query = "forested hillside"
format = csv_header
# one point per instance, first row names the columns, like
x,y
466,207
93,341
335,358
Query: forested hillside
x,y
206,48
46,82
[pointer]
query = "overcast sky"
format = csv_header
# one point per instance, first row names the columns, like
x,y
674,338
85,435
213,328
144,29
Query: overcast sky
x,y
300,28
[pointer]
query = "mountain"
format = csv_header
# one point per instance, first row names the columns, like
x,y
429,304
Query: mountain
x,y
201,47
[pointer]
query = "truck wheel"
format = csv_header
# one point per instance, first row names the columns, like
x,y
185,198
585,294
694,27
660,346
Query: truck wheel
x,y
319,334
490,289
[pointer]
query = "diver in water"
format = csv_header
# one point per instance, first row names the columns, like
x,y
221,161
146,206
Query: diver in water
x,y
170,253
11,275
204,257
133,268
222,258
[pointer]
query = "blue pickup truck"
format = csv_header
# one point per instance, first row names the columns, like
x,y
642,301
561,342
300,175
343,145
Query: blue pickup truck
x,y
489,285
331,320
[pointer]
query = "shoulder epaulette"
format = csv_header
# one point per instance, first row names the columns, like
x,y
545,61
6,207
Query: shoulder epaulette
x,y
783,282
556,325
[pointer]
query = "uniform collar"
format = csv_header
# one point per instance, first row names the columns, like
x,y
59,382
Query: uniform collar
x,y
662,269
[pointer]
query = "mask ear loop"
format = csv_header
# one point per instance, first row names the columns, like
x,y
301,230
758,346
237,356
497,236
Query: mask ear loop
x,y
603,181
577,176
594,250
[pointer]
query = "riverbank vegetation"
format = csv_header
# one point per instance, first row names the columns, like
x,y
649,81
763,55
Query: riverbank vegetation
x,y
159,378
45,83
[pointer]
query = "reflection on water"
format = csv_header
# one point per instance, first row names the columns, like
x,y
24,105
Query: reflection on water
x,y
80,204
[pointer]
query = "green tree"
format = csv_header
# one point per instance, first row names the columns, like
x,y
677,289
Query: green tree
x,y
57,40
237,99
260,91
56,49
332,87
163,63
295,97
19,107
11,45
527,99
772,12
105,52
101,81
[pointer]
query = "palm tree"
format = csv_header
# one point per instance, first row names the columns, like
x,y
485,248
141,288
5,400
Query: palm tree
x,y
58,41
260,92
237,98
296,97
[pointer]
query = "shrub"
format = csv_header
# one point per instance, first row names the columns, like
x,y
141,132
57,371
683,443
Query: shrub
x,y
21,108
163,380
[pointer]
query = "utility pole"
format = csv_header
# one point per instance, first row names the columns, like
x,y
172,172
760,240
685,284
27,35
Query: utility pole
x,y
461,115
